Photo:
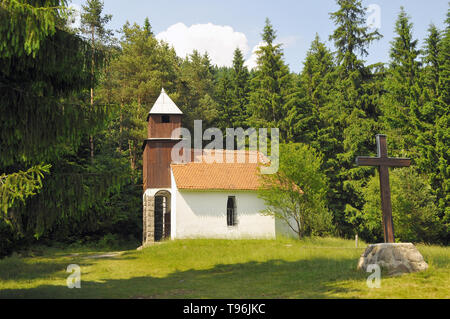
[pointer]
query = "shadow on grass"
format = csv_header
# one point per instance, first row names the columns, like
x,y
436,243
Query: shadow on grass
x,y
20,269
53,265
313,278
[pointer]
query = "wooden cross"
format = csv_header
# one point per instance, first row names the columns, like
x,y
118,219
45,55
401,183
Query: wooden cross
x,y
384,162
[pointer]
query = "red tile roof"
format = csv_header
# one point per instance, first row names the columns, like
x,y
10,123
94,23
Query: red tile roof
x,y
207,174
204,173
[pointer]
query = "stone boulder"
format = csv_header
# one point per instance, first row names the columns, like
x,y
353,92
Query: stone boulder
x,y
394,258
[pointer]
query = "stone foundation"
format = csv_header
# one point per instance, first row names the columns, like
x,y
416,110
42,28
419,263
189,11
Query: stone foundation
x,y
148,220
395,258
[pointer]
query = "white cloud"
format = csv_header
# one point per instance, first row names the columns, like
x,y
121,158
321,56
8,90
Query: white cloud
x,y
219,41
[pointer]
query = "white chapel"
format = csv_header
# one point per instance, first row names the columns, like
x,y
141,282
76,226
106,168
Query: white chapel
x,y
198,199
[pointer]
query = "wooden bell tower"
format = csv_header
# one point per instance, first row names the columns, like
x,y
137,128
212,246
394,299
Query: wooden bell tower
x,y
162,119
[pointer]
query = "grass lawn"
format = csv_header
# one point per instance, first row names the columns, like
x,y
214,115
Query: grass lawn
x,y
283,268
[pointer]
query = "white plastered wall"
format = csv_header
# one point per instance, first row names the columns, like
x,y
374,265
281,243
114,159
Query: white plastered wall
x,y
202,214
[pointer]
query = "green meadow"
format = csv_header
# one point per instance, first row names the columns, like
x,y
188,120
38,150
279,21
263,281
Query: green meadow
x,y
282,268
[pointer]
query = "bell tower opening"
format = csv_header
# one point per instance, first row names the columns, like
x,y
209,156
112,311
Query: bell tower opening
x,y
165,118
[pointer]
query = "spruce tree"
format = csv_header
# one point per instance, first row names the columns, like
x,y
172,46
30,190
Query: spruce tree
x,y
231,94
240,79
444,69
431,59
441,177
134,83
227,115
429,107
148,27
351,116
195,86
351,36
272,97
415,113
316,81
44,72
93,25
401,102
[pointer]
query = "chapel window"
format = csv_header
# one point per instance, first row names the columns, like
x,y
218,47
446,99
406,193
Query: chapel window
x,y
165,119
231,211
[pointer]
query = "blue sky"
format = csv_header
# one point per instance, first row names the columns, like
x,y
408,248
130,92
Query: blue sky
x,y
220,26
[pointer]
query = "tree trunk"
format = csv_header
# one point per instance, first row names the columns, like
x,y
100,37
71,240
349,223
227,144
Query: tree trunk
x,y
91,138
300,231
121,117
120,126
132,161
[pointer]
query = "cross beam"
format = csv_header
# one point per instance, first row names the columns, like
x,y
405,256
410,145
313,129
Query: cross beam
x,y
384,162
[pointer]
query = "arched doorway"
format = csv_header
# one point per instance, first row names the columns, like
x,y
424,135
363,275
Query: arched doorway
x,y
162,215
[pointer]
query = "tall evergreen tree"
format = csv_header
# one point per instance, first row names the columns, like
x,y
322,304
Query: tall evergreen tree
x,y
444,70
43,118
240,78
271,101
232,88
93,24
195,88
441,176
316,81
401,102
431,60
351,36
134,83
42,72
433,139
224,96
148,27
351,116
429,109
